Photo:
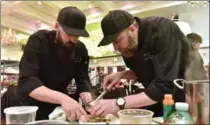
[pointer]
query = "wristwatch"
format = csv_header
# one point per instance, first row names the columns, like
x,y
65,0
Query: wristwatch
x,y
120,102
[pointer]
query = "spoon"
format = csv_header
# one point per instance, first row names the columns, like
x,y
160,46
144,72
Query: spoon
x,y
89,105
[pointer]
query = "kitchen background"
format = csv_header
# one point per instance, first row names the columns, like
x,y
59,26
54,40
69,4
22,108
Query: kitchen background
x,y
19,19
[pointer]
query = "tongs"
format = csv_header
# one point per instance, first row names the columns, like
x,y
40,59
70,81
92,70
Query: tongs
x,y
89,105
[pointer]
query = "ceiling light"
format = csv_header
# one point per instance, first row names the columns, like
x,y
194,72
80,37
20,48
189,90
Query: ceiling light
x,y
39,25
115,59
90,6
198,3
135,11
95,61
94,20
94,15
39,2
93,12
128,6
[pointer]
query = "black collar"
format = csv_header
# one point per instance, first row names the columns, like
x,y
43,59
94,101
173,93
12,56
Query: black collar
x,y
141,32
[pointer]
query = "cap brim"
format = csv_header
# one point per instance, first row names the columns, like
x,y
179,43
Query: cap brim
x,y
76,32
108,39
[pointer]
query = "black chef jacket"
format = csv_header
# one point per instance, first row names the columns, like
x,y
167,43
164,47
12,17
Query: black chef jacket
x,y
160,58
46,63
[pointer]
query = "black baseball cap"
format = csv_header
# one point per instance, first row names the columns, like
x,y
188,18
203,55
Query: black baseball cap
x,y
113,23
73,21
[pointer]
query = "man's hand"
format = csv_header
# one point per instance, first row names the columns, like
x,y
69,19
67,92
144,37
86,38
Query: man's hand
x,y
104,107
111,80
86,97
73,109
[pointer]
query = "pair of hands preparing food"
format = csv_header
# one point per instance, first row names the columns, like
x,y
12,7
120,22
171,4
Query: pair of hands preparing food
x,y
75,111
101,107
108,106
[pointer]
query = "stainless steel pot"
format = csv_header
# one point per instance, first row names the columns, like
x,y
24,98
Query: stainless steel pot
x,y
48,122
197,96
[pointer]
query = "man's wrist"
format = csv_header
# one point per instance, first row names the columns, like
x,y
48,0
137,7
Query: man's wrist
x,y
62,98
122,73
117,107
120,102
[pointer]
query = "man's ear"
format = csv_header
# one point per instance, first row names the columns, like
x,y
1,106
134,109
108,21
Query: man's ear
x,y
194,44
56,26
132,28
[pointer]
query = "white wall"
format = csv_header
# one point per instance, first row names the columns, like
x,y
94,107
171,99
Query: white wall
x,y
199,22
197,17
205,55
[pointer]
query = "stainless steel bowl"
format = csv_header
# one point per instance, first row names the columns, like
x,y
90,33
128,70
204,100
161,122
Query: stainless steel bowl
x,y
41,122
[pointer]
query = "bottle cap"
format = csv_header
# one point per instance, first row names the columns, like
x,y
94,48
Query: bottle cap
x,y
182,106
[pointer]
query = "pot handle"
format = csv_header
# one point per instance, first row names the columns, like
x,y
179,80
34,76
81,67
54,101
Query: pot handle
x,y
177,85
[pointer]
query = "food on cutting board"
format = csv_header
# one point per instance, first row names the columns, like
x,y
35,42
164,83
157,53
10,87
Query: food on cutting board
x,y
98,119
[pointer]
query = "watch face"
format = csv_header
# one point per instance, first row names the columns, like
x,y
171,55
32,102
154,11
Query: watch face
x,y
120,101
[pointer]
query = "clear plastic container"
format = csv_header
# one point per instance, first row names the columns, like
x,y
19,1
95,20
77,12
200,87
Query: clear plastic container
x,y
135,116
20,114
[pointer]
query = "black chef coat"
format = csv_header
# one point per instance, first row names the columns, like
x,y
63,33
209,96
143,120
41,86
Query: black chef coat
x,y
160,58
46,63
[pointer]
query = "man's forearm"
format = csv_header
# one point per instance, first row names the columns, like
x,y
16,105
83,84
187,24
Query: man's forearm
x,y
45,94
128,74
138,100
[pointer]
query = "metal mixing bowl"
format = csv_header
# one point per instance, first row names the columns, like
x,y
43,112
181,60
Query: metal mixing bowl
x,y
41,122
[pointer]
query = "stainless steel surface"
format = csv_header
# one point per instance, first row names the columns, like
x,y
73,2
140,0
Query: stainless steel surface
x,y
48,122
197,96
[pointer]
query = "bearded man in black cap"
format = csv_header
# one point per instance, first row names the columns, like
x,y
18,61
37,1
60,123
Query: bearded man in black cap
x,y
155,50
51,59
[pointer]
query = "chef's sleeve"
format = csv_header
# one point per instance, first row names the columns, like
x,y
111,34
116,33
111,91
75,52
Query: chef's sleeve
x,y
168,45
82,78
29,67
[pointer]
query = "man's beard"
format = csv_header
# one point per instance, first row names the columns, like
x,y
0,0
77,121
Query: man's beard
x,y
64,50
132,47
67,45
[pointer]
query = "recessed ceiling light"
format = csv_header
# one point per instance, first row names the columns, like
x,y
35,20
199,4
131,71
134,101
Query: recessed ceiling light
x,y
39,2
128,6
94,15
90,6
135,11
